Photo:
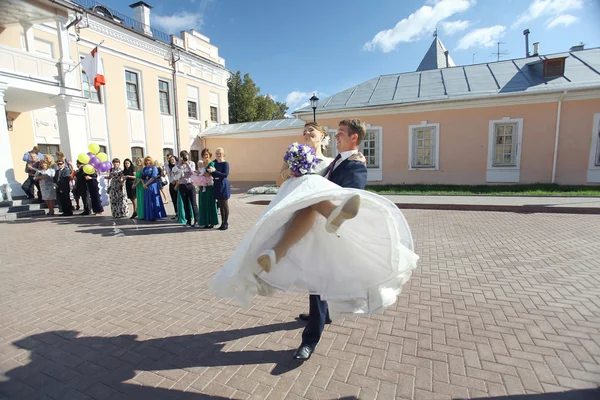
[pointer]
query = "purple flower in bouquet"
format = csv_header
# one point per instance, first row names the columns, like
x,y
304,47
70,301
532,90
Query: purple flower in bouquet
x,y
301,158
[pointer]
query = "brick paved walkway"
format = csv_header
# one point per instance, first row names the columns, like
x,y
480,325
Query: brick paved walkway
x,y
502,304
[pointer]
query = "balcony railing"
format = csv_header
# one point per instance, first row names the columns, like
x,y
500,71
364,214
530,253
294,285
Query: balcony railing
x,y
119,18
29,65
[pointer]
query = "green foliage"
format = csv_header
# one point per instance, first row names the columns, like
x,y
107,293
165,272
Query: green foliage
x,y
539,189
246,104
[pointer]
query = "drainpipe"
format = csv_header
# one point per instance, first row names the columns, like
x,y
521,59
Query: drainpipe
x,y
557,136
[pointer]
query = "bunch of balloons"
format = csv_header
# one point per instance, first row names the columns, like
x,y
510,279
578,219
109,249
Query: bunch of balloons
x,y
94,160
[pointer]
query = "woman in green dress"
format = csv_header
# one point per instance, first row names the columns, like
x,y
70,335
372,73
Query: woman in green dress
x,y
139,188
207,205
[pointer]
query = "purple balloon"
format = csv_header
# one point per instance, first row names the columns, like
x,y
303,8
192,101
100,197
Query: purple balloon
x,y
107,165
95,162
89,153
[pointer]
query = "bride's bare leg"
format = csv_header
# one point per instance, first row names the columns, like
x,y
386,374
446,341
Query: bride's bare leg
x,y
325,208
299,227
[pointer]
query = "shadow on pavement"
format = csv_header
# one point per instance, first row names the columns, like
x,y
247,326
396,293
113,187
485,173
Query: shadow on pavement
x,y
64,366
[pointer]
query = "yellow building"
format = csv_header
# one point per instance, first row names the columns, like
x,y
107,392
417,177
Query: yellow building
x,y
162,91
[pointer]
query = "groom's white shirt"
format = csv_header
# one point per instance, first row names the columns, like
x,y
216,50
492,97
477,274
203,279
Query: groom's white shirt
x,y
344,156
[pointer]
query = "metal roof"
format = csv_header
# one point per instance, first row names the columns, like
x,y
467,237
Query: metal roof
x,y
582,70
258,126
435,57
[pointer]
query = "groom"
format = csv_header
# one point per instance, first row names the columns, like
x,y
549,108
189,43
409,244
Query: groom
x,y
349,174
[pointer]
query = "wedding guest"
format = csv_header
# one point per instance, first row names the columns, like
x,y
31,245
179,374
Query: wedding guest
x,y
207,206
186,188
81,190
173,174
116,190
129,176
32,166
94,193
61,156
153,204
63,184
139,189
162,180
222,190
35,150
45,176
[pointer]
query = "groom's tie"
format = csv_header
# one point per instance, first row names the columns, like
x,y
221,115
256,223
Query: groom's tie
x,y
337,158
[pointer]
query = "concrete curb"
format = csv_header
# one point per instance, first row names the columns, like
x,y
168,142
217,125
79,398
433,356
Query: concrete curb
x,y
484,207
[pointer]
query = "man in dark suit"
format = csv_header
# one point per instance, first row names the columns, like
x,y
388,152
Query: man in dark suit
x,y
349,174
62,178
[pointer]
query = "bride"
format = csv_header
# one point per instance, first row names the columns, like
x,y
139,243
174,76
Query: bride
x,y
299,244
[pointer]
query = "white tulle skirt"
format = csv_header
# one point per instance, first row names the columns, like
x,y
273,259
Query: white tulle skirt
x,y
361,271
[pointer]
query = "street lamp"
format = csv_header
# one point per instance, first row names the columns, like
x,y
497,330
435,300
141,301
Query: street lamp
x,y
314,100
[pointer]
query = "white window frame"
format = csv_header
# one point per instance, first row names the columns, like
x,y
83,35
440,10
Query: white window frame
x,y
593,173
139,88
169,105
436,150
504,173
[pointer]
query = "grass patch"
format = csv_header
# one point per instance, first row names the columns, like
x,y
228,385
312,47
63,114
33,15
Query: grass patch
x,y
493,190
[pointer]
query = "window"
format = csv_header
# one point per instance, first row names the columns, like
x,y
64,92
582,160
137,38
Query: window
x,y
89,92
163,95
49,148
554,67
593,171
133,98
424,146
195,155
505,145
214,117
192,109
597,134
136,152
166,153
103,149
370,148
330,151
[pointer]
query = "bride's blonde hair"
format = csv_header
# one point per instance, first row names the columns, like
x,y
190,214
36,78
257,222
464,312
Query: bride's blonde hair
x,y
325,139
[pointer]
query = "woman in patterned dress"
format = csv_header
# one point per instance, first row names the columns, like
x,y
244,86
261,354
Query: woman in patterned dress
x,y
116,190
45,176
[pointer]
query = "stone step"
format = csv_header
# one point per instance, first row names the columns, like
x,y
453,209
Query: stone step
x,y
19,202
22,214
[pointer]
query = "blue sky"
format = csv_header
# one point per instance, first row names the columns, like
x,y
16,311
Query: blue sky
x,y
292,49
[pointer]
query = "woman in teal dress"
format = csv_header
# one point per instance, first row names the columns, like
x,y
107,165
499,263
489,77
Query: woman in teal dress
x,y
207,205
139,188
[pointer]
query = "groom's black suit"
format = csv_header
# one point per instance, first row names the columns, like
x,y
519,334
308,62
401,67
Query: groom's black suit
x,y
347,174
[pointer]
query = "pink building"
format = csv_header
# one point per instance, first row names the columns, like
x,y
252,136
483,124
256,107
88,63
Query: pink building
x,y
528,120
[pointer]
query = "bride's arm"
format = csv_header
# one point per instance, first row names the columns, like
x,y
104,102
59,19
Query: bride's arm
x,y
283,174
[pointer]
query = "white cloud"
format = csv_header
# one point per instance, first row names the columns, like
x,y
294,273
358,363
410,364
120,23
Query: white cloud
x,y
564,19
483,37
298,99
541,8
451,27
418,24
180,21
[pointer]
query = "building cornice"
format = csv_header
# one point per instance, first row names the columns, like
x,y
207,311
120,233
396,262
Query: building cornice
x,y
294,131
456,104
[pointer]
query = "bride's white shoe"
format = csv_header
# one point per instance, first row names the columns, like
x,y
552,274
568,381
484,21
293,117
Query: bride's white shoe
x,y
266,260
348,209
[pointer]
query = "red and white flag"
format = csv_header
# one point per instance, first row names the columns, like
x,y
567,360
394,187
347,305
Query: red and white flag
x,y
93,68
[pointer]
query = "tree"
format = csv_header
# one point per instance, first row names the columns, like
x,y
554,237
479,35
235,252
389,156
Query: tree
x,y
247,105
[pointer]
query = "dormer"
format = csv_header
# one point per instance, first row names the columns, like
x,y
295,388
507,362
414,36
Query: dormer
x,y
554,67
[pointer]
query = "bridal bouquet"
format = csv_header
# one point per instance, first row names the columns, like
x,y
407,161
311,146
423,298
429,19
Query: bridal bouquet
x,y
300,158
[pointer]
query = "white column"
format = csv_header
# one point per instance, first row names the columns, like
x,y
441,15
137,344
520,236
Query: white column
x,y
29,38
72,126
7,172
68,74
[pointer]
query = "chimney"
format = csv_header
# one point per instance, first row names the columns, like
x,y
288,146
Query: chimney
x,y
536,49
141,13
578,47
446,54
526,33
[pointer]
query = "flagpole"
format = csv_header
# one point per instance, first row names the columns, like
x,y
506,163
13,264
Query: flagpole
x,y
76,65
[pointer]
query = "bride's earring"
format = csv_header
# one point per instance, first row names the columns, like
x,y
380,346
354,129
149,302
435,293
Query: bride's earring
x,y
348,209
266,260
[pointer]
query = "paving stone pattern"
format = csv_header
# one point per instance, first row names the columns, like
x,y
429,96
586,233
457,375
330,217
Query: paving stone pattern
x,y
502,304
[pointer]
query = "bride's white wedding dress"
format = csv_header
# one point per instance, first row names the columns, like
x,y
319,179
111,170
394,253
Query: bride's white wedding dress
x,y
361,271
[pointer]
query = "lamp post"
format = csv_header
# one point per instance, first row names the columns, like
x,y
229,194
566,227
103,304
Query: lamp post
x,y
314,100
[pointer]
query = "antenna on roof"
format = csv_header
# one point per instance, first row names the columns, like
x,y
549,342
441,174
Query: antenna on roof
x,y
498,53
435,33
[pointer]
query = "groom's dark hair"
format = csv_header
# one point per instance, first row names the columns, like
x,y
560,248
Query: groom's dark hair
x,y
355,126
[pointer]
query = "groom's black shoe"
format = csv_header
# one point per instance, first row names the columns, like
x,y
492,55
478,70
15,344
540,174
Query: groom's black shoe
x,y
303,353
305,318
